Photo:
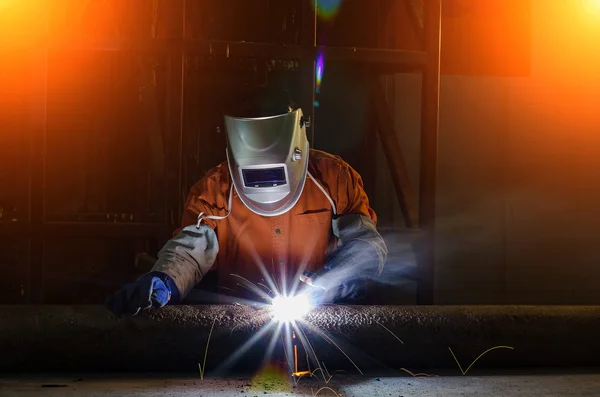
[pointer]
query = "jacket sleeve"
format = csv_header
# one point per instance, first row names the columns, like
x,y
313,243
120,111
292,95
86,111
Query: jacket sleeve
x,y
193,250
188,256
361,251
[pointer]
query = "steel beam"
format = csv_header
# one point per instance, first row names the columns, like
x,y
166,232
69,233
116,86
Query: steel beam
x,y
88,338
308,42
175,106
429,141
233,49
374,56
393,154
416,10
239,49
37,185
88,230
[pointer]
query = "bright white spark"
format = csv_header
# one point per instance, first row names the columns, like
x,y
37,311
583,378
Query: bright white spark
x,y
288,309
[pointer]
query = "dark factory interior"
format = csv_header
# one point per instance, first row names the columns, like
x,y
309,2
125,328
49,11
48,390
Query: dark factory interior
x,y
299,198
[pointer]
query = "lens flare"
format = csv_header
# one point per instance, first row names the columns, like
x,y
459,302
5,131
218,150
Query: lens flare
x,y
327,9
287,309
319,71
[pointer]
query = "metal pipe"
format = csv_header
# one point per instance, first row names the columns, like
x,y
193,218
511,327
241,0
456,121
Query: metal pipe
x,y
88,338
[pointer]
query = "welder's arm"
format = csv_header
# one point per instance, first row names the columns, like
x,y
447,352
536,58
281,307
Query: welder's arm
x,y
361,249
187,257
181,264
360,255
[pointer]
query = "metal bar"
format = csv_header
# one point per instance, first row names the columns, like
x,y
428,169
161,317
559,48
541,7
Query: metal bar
x,y
121,44
412,8
390,37
374,56
307,102
239,49
87,230
154,45
429,137
107,230
87,338
308,43
175,99
38,108
215,48
389,28
184,19
393,153
368,160
268,51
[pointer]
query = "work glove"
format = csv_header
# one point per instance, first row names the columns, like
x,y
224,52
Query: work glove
x,y
325,289
150,290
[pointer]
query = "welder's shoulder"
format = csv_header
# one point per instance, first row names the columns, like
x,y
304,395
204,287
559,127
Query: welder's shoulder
x,y
323,161
213,187
328,165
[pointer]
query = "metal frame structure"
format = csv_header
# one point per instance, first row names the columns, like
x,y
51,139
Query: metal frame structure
x,y
176,49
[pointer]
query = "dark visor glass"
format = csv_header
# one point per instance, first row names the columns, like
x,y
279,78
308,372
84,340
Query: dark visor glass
x,y
266,177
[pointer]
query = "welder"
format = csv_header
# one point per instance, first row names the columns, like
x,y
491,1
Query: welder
x,y
274,210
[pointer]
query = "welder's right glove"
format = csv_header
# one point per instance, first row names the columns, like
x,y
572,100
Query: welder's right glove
x,y
154,289
360,255
317,292
325,290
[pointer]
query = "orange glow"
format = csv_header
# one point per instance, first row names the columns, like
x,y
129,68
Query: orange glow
x,y
561,98
591,9
594,6
21,21
27,22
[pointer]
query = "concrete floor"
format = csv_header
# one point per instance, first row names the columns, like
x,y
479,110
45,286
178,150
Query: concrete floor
x,y
277,385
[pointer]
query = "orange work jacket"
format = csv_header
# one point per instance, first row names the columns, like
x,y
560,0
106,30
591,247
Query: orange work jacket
x,y
257,247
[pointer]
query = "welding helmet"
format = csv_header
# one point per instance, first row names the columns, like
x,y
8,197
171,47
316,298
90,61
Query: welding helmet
x,y
268,160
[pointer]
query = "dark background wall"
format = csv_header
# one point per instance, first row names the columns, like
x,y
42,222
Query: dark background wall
x,y
519,180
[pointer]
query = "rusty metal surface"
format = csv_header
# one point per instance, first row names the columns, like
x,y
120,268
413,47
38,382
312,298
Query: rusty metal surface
x,y
87,338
